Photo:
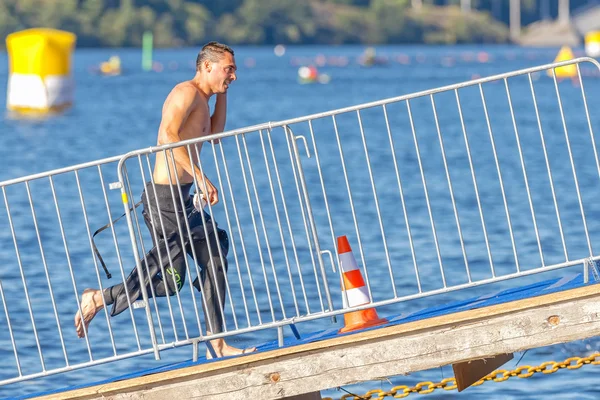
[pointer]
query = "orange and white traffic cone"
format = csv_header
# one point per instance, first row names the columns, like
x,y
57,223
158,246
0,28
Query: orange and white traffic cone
x,y
355,291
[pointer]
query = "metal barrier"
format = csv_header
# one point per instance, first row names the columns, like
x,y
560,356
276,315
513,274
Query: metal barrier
x,y
495,177
274,276
48,222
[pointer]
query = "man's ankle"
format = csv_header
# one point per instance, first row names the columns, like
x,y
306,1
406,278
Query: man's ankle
x,y
98,299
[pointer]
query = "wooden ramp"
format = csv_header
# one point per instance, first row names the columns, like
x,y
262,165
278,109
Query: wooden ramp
x,y
542,314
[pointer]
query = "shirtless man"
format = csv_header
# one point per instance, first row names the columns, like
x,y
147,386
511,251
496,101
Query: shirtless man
x,y
185,115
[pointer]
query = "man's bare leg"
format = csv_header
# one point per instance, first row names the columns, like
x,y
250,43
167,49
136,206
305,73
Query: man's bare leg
x,y
222,349
91,304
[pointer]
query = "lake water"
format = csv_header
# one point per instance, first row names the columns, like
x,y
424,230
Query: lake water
x,y
114,115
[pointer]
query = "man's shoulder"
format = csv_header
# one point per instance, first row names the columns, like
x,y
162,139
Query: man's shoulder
x,y
184,93
185,88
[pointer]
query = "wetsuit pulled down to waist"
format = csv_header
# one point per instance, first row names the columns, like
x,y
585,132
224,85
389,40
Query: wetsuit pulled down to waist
x,y
177,229
166,214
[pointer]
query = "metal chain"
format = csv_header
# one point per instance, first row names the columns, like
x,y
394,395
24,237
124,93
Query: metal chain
x,y
525,371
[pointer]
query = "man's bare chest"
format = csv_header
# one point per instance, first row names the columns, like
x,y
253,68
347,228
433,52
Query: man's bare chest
x,y
195,126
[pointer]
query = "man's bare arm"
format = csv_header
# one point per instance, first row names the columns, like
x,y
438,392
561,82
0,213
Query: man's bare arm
x,y
176,111
217,121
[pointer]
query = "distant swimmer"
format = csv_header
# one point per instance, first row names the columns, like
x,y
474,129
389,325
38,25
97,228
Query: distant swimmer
x,y
185,115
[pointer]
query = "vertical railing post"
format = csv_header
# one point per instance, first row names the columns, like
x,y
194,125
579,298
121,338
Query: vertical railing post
x,y
590,264
138,264
309,213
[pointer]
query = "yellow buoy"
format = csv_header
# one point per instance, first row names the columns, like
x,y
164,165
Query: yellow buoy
x,y
592,44
568,71
40,70
112,66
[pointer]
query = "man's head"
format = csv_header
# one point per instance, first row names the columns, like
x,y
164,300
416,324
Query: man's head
x,y
216,62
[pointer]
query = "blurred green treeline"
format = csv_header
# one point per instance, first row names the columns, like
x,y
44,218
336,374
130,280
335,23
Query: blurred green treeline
x,y
193,22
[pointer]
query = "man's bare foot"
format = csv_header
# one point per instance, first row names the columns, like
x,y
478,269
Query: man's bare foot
x,y
91,303
222,349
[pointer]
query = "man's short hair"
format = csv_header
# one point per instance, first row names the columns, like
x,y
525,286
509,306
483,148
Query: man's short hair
x,y
213,52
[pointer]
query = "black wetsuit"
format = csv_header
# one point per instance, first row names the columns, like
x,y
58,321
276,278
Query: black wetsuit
x,y
168,276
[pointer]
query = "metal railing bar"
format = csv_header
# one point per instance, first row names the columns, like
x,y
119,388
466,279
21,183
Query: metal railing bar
x,y
67,254
526,179
375,199
122,174
227,287
193,247
89,235
48,281
327,209
231,234
264,229
287,219
281,236
578,191
130,301
23,279
309,213
120,261
241,234
181,237
143,256
500,180
352,209
140,239
190,239
587,116
474,179
59,171
165,237
547,160
258,244
289,139
450,188
10,330
401,192
426,192
155,236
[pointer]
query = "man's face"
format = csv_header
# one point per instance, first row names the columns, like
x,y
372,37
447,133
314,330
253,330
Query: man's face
x,y
222,73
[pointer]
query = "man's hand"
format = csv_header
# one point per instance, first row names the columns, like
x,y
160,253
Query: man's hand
x,y
199,201
210,191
